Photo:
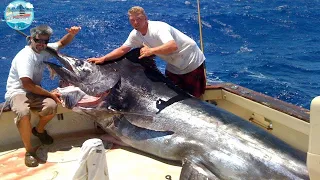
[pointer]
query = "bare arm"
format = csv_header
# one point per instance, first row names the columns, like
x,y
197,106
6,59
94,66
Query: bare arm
x,y
120,51
65,40
30,86
165,48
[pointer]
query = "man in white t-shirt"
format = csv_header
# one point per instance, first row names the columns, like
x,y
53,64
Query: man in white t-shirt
x,y
184,58
24,91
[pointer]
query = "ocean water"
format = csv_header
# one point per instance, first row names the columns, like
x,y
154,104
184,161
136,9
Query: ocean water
x,y
270,46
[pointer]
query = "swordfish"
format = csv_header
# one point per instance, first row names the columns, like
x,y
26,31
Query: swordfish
x,y
145,110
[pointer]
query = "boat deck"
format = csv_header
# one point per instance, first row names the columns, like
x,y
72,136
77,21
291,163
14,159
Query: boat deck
x,y
61,158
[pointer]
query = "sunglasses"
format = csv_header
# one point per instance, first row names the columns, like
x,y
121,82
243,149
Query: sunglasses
x,y
41,41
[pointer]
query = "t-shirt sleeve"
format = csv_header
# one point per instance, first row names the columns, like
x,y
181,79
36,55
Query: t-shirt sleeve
x,y
164,34
133,40
54,46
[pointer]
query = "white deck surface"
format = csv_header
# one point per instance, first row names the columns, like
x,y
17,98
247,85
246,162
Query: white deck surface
x,y
123,163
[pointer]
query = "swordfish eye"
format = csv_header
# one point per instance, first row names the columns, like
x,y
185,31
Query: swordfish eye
x,y
86,66
79,63
85,69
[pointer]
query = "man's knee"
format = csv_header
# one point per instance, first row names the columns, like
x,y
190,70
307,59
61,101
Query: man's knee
x,y
50,107
21,114
51,104
20,111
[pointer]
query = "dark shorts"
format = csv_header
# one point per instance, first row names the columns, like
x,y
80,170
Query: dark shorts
x,y
21,104
193,82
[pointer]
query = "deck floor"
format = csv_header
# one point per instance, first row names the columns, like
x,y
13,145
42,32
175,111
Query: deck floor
x,y
61,157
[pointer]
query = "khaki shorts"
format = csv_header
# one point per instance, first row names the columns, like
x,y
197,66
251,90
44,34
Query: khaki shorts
x,y
21,104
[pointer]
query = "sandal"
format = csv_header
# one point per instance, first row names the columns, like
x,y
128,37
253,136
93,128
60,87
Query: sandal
x,y
44,137
30,159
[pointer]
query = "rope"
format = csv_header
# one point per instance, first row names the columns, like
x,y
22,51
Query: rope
x,y
201,41
22,33
200,26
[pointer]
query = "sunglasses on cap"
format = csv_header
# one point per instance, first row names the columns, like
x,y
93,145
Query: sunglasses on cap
x,y
41,41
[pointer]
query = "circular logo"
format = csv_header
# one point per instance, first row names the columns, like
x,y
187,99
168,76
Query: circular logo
x,y
19,14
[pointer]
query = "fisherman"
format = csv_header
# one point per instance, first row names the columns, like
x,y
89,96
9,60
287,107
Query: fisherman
x,y
184,58
24,91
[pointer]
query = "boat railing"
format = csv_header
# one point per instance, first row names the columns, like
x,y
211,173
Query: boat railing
x,y
313,159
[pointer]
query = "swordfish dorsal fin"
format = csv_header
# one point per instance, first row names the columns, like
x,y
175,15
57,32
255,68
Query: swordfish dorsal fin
x,y
193,170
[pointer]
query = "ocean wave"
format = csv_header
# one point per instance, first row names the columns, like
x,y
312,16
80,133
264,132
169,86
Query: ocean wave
x,y
244,49
282,8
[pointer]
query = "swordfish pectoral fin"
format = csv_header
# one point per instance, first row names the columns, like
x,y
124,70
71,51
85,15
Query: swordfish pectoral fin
x,y
191,169
137,132
145,121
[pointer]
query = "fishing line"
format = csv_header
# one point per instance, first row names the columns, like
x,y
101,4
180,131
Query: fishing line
x,y
22,33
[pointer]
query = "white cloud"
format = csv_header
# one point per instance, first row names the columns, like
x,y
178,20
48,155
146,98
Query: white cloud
x,y
10,5
29,5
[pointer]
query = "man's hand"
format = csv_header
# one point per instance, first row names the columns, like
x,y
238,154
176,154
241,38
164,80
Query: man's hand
x,y
145,51
56,97
96,60
73,30
65,40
